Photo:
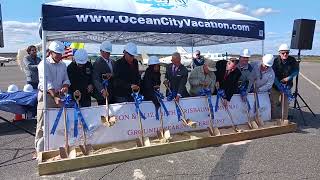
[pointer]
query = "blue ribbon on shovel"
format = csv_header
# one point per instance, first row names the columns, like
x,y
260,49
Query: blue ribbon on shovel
x,y
207,92
170,97
287,91
66,102
105,83
160,96
77,114
138,98
220,94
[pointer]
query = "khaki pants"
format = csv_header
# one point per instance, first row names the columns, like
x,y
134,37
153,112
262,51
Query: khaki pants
x,y
275,99
39,143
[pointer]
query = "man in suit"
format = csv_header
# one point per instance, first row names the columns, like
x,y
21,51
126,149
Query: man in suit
x,y
176,76
103,68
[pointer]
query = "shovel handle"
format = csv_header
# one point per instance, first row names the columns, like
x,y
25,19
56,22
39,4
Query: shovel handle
x,y
210,114
66,136
282,107
229,114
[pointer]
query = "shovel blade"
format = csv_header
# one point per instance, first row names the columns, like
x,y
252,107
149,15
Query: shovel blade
x,y
104,121
63,152
139,142
112,120
254,125
167,134
146,141
86,149
189,123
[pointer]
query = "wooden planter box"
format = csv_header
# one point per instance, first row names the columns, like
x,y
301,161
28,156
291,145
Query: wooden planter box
x,y
50,164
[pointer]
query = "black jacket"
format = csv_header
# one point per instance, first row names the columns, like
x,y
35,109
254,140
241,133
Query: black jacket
x,y
178,82
283,70
150,79
80,79
124,76
230,84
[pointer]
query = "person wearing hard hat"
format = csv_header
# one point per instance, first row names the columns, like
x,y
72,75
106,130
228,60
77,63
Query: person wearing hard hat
x,y
126,74
31,62
285,68
151,80
177,76
28,88
202,77
198,60
12,88
227,77
264,73
80,75
247,76
57,83
103,69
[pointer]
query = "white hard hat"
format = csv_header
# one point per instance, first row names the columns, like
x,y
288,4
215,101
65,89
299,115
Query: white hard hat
x,y
106,46
27,88
131,48
153,60
268,60
245,53
57,47
13,88
283,47
81,56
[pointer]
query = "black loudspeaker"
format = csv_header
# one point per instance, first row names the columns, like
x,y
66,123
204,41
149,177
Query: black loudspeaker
x,y
302,34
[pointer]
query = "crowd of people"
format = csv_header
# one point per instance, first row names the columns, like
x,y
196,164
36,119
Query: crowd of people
x,y
114,81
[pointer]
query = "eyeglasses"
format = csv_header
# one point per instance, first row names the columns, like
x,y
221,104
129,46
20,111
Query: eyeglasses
x,y
283,53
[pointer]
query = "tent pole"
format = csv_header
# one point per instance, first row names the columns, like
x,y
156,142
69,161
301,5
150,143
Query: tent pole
x,y
262,49
44,56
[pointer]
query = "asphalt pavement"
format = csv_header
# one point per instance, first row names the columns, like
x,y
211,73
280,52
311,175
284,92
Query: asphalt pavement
x,y
287,156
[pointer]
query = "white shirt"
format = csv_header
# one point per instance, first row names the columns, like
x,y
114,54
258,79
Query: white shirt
x,y
264,79
57,74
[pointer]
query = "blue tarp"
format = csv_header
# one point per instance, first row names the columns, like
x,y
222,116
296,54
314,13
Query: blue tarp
x,y
19,102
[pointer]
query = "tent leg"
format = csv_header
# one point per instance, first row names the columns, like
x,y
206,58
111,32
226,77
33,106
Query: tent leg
x,y
45,116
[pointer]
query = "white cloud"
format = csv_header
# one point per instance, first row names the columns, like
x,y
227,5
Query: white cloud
x,y
239,8
19,35
263,11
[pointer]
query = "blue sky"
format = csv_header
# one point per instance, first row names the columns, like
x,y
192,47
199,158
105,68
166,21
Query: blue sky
x,y
21,17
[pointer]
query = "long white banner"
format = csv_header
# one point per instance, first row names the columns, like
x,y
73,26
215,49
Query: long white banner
x,y
127,126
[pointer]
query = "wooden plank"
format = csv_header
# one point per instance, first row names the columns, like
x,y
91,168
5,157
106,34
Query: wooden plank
x,y
154,150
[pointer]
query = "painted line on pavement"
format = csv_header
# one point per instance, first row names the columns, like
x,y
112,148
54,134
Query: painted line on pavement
x,y
311,82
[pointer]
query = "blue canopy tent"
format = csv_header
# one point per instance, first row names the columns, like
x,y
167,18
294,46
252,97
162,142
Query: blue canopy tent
x,y
146,22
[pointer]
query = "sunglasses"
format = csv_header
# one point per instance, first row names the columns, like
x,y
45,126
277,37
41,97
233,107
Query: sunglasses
x,y
283,53
197,54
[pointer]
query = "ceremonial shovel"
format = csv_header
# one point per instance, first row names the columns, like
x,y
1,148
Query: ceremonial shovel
x,y
141,141
65,151
251,123
187,122
258,119
283,121
235,128
163,134
213,131
86,149
108,120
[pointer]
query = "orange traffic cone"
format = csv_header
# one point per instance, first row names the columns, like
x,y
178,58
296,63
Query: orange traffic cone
x,y
17,117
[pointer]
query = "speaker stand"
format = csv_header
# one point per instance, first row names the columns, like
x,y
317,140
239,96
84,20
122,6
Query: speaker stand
x,y
297,95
